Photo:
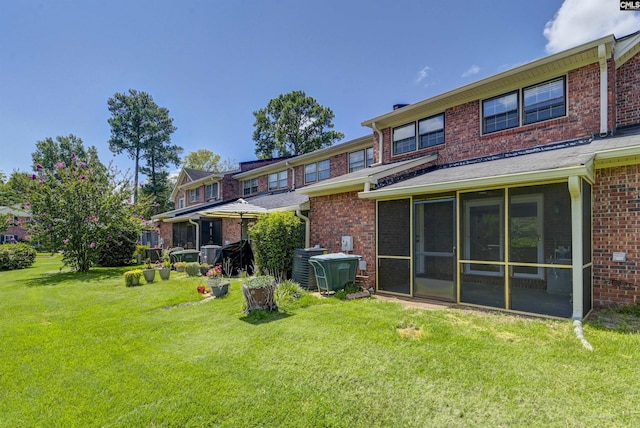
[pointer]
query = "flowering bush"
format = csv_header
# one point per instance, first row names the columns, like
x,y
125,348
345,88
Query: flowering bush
x,y
215,272
77,208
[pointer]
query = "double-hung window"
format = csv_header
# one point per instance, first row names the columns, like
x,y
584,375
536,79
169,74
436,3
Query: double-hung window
x,y
180,203
404,138
249,187
500,113
361,159
544,101
317,171
211,191
194,195
431,131
278,180
532,104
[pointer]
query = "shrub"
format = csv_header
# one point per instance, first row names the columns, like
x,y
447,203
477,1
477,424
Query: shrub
x,y
118,249
132,277
192,269
259,281
16,256
274,237
288,291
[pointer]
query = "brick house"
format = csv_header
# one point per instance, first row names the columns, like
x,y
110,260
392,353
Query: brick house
x,y
16,231
517,192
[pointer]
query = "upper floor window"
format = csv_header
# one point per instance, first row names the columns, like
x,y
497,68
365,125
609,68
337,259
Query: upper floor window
x,y
278,180
360,159
500,112
540,102
211,191
430,133
180,203
194,195
317,171
544,101
250,187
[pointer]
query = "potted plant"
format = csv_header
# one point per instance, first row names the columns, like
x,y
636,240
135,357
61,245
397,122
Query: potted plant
x,y
259,293
192,269
132,277
214,280
149,272
180,266
164,269
204,268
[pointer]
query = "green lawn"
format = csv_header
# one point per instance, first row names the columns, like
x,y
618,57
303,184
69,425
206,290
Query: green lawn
x,y
83,350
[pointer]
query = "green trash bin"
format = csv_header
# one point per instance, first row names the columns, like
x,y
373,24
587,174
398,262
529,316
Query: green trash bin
x,y
334,271
185,256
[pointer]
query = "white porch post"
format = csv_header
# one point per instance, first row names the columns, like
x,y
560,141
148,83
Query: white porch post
x,y
575,190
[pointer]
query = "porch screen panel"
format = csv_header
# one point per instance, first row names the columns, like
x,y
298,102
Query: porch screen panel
x,y
394,246
394,228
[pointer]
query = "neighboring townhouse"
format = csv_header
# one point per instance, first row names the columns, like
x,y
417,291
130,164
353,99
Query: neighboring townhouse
x,y
17,230
518,192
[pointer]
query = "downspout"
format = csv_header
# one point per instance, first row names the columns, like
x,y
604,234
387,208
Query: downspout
x,y
575,190
576,245
197,225
307,228
380,143
604,99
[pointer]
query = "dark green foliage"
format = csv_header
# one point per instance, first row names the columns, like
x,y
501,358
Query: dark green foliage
x,y
16,256
275,236
293,124
118,249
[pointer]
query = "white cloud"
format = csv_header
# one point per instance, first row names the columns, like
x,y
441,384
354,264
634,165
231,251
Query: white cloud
x,y
580,21
422,74
474,69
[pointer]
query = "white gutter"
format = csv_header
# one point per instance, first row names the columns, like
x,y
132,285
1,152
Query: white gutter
x,y
307,228
380,143
604,104
197,233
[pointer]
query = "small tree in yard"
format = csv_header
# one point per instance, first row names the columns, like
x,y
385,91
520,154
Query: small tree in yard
x,y
275,236
77,208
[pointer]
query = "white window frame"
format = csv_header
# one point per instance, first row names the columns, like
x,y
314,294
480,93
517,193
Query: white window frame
x,y
366,160
249,187
180,203
326,172
194,195
213,191
279,180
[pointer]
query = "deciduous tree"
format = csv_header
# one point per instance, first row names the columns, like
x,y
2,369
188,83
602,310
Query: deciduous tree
x,y
206,160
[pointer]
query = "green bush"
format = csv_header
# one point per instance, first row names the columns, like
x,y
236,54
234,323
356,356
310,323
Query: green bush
x,y
274,237
287,292
192,269
16,256
132,277
118,250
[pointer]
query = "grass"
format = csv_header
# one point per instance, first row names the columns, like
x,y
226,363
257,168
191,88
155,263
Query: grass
x,y
84,350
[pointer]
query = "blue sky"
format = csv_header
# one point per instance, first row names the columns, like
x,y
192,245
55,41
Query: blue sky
x,y
212,63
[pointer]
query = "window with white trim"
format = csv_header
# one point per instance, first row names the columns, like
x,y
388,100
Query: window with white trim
x,y
180,203
194,195
500,113
361,159
211,191
430,133
249,187
544,101
278,180
317,171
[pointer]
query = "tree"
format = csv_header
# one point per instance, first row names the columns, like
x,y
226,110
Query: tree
x,y
206,160
142,129
50,152
77,208
293,124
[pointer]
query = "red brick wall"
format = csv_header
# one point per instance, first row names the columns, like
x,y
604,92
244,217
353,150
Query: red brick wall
x,y
463,139
344,214
230,188
166,234
628,92
616,228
